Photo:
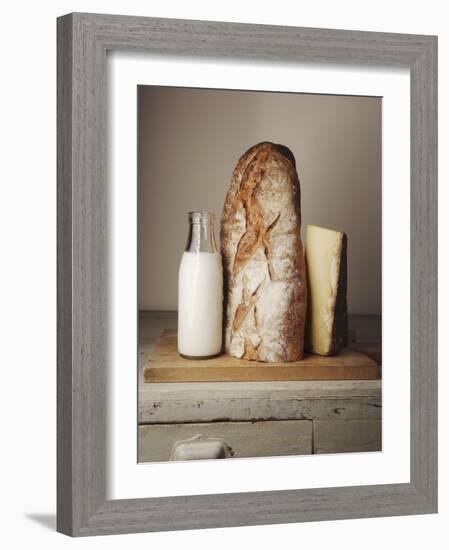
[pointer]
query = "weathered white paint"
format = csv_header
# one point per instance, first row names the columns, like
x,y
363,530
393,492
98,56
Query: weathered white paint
x,y
346,436
167,408
206,409
244,439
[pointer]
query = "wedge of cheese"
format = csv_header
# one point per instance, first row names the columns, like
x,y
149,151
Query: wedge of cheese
x,y
326,330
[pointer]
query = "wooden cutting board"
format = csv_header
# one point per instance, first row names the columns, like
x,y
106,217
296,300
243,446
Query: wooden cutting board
x,y
166,365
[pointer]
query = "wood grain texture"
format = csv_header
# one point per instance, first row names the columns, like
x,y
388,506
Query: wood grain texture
x,y
423,274
83,40
166,365
203,408
346,436
244,439
161,402
65,495
82,359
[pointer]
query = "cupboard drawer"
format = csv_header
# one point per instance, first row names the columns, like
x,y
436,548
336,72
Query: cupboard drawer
x,y
347,436
243,439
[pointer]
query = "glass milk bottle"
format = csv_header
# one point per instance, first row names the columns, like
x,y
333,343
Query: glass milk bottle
x,y
200,291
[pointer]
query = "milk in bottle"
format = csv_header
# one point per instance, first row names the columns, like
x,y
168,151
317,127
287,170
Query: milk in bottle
x,y
200,291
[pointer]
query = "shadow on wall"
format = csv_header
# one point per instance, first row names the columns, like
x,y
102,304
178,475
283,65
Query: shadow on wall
x,y
190,141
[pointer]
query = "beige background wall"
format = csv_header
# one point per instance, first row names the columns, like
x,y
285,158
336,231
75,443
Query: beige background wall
x,y
190,141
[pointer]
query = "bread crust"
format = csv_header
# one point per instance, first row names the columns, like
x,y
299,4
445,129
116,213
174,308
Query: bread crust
x,y
263,260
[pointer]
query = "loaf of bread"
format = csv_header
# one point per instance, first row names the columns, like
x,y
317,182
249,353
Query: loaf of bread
x,y
265,291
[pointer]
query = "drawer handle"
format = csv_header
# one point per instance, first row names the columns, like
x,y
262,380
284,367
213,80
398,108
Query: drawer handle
x,y
200,447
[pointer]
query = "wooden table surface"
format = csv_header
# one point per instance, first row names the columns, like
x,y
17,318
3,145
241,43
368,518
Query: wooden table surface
x,y
368,337
260,418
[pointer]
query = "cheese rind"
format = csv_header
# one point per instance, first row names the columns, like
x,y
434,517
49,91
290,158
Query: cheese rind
x,y
326,331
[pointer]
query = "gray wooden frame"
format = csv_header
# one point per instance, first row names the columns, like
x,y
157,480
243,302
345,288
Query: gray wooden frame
x,y
83,40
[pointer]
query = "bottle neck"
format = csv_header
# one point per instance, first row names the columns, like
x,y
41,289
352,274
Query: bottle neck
x,y
201,236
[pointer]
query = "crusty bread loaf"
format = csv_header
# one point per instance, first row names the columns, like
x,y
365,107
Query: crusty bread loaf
x,y
264,272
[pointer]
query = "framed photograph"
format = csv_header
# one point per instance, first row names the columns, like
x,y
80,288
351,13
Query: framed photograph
x,y
247,274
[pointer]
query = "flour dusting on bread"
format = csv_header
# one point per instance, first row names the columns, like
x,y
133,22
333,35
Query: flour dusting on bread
x,y
263,259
